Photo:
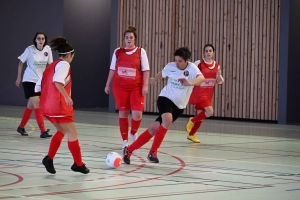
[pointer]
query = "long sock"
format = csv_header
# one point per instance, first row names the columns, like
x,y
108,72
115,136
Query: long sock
x,y
123,122
39,119
75,151
199,117
141,140
135,126
26,117
55,144
195,128
158,138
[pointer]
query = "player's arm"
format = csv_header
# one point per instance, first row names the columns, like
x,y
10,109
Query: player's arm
x,y
157,77
19,78
63,92
109,79
197,81
220,78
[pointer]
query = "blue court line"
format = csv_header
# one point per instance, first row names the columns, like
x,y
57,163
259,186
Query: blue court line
x,y
292,190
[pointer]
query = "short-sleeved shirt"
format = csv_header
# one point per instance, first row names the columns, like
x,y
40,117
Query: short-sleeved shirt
x,y
174,90
37,60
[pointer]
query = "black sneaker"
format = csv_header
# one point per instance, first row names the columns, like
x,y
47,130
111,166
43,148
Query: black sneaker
x,y
126,156
48,163
152,157
22,131
45,134
83,169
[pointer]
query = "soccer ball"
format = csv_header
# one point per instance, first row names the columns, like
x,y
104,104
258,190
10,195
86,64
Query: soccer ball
x,y
113,160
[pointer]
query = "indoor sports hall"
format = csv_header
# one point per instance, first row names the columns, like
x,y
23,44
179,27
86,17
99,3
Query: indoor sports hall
x,y
235,160
250,146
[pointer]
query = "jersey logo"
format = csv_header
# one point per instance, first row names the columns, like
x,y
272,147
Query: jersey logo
x,y
186,73
46,54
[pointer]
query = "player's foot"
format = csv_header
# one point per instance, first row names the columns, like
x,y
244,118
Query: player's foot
x,y
152,157
126,156
193,138
22,131
125,144
48,163
45,134
189,125
82,169
133,137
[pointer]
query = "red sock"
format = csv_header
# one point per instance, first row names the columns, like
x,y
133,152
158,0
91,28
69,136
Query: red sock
x,y
123,122
135,126
195,128
75,151
39,119
158,138
26,117
55,144
199,117
141,140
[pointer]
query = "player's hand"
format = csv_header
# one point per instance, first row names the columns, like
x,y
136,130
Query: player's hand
x,y
184,82
106,89
152,81
69,101
18,82
145,90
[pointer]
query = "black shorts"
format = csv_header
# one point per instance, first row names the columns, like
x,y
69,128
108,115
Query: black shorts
x,y
29,90
165,105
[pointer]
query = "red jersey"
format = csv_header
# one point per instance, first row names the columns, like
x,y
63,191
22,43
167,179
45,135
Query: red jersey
x,y
128,75
206,89
52,102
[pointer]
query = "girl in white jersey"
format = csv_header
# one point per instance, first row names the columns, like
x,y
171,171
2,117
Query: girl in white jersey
x,y
129,71
37,56
182,76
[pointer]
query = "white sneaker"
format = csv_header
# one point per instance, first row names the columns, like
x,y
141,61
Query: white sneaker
x,y
125,144
133,137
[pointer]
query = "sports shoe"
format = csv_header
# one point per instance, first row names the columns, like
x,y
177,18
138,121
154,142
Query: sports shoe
x,y
152,157
83,169
45,134
193,138
189,125
22,131
125,144
126,156
133,137
48,163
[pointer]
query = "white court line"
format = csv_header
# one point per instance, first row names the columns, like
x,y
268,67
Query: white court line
x,y
252,162
21,196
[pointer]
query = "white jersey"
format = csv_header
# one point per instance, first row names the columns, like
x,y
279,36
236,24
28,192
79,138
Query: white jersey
x,y
174,90
61,75
144,59
36,62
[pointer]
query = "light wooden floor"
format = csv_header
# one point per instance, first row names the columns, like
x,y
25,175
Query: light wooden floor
x,y
235,161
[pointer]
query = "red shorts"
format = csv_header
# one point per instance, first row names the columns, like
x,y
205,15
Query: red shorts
x,y
129,99
60,120
204,102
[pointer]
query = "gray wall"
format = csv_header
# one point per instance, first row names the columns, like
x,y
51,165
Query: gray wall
x,y
19,21
87,27
86,24
289,69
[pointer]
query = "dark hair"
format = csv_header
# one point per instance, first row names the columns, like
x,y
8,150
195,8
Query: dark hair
x,y
38,33
209,45
184,53
61,45
131,29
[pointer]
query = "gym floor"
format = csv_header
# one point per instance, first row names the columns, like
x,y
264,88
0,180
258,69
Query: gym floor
x,y
235,160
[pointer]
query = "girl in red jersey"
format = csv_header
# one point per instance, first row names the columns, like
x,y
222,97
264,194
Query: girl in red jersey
x,y
129,71
57,105
202,95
